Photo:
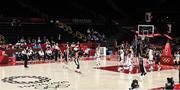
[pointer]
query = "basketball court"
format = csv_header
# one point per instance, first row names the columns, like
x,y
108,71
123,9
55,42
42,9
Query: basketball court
x,y
89,45
55,76
52,75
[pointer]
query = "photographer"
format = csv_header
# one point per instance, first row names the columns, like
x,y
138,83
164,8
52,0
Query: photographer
x,y
134,85
170,84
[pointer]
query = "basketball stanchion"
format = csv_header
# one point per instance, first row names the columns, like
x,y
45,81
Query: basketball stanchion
x,y
166,57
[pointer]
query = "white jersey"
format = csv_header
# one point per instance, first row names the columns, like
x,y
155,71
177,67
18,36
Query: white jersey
x,y
121,54
177,57
150,54
76,48
87,51
73,45
48,52
97,53
129,59
98,56
56,47
24,52
41,53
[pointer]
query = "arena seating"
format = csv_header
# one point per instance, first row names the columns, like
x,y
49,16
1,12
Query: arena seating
x,y
9,59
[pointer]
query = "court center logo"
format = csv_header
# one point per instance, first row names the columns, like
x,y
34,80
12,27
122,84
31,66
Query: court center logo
x,y
166,60
36,82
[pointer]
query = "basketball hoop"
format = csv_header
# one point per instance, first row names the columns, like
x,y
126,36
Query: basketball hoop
x,y
145,31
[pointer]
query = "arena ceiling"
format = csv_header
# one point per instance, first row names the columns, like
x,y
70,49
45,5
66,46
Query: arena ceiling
x,y
87,8
121,11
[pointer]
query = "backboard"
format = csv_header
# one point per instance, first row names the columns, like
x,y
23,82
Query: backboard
x,y
146,30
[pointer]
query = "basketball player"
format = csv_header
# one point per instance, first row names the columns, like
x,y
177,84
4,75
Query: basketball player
x,y
150,58
98,56
66,56
139,48
130,60
76,59
158,57
141,65
177,58
121,54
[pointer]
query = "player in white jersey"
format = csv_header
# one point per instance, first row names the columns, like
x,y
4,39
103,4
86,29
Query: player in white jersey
x,y
121,55
150,58
177,58
130,61
98,56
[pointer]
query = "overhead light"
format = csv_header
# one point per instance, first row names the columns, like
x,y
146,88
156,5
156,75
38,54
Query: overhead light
x,y
57,21
51,21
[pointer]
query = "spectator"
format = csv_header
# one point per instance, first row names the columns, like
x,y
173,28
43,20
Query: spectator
x,y
41,55
39,40
88,31
37,46
49,54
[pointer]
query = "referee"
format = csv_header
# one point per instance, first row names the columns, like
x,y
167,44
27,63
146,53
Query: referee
x,y
25,57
